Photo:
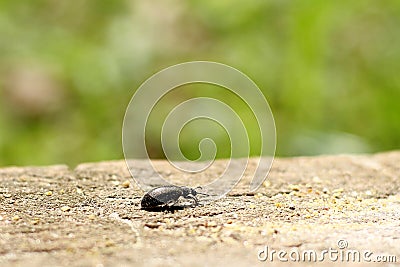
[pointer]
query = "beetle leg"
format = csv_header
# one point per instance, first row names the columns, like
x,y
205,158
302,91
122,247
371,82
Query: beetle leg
x,y
172,203
195,200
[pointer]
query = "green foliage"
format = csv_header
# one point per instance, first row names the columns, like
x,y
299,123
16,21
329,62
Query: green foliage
x,y
329,70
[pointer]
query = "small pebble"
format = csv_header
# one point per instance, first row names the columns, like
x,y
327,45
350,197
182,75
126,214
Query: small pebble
x,y
48,193
126,184
339,190
35,222
110,244
211,224
267,184
65,208
15,218
294,187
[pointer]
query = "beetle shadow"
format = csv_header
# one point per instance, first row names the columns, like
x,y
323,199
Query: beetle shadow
x,y
167,208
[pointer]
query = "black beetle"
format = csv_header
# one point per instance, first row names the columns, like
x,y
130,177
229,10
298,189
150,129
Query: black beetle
x,y
168,195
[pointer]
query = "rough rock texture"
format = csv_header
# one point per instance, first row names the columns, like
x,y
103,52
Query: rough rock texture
x,y
90,216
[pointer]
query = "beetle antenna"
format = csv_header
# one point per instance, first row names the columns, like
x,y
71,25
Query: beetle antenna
x,y
199,193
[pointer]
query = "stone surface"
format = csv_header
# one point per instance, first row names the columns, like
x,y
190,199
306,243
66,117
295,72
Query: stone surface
x,y
90,216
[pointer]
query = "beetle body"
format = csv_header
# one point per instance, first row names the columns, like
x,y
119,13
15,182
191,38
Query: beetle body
x,y
167,195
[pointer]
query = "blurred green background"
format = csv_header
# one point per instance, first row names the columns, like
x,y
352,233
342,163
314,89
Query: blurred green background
x,y
329,69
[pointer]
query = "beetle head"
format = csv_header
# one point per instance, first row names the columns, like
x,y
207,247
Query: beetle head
x,y
188,191
191,191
